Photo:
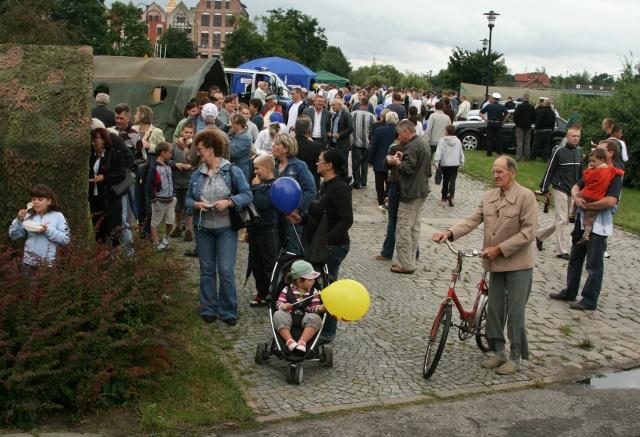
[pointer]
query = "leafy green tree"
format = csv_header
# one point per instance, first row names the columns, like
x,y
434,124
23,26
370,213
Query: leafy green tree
x,y
178,43
387,74
244,44
413,80
333,60
603,79
88,21
294,35
127,34
473,67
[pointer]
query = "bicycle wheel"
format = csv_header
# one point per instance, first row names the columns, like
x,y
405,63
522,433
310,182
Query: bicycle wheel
x,y
481,326
437,340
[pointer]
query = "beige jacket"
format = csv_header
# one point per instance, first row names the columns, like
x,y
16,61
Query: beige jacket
x,y
509,223
154,136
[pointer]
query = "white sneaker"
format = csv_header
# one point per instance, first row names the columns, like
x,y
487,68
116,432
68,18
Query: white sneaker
x,y
165,241
382,209
606,254
291,345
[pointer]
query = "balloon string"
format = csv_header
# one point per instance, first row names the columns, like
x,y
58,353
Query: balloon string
x,y
295,231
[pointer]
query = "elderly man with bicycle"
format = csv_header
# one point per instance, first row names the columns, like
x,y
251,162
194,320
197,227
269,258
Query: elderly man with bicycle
x,y
510,217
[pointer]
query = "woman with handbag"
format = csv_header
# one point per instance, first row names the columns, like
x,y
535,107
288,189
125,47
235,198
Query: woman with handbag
x,y
217,190
106,170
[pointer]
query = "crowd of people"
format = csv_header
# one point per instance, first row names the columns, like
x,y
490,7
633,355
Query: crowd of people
x,y
225,155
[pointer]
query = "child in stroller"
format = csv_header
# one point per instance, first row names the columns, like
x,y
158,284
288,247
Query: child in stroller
x,y
289,325
302,277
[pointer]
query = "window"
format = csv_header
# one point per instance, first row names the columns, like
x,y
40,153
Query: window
x,y
218,4
204,40
208,4
217,20
205,20
227,4
217,39
159,30
229,20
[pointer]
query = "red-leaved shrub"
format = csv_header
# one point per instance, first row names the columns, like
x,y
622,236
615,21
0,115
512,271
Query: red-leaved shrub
x,y
85,333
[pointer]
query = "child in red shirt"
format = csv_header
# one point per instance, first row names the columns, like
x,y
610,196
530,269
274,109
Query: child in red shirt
x,y
597,178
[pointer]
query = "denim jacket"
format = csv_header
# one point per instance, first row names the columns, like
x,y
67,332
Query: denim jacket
x,y
240,186
297,169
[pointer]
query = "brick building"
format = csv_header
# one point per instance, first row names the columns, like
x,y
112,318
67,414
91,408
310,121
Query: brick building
x,y
213,21
156,19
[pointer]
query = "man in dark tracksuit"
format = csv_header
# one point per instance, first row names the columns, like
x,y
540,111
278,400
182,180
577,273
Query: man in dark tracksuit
x,y
494,114
545,123
563,172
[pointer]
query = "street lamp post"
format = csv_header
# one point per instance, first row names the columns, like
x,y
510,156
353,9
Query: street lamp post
x,y
491,18
485,44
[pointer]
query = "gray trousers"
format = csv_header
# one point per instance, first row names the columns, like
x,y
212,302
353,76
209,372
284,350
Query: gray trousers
x,y
408,232
508,296
283,319
523,143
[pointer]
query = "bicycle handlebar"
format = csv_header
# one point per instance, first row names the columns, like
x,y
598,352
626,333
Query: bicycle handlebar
x,y
474,252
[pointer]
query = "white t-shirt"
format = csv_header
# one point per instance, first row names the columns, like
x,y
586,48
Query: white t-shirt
x,y
293,114
317,124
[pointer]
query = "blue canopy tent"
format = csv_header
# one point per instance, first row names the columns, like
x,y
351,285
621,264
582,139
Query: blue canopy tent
x,y
289,71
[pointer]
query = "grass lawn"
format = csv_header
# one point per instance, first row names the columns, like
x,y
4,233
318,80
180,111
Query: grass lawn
x,y
200,393
478,165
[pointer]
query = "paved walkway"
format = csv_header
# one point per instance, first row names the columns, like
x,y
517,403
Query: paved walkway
x,y
377,360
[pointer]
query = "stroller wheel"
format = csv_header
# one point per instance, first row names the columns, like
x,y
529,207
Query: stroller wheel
x,y
261,353
295,373
326,357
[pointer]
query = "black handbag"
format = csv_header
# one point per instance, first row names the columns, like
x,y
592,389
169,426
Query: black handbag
x,y
241,218
121,188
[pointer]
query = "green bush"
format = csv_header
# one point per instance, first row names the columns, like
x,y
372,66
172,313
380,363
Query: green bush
x,y
84,334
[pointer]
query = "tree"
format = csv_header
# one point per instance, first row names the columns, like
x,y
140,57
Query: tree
x,y
472,67
413,80
87,20
603,79
373,74
127,34
294,35
244,44
334,61
178,44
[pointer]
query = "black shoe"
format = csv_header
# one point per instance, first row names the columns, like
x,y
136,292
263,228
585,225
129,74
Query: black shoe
x,y
563,256
355,186
208,319
191,253
231,322
560,296
580,306
538,243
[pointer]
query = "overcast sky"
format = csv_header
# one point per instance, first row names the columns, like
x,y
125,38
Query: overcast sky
x,y
418,35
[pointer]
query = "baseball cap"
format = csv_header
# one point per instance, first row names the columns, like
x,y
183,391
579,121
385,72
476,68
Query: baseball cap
x,y
496,95
209,110
302,269
276,117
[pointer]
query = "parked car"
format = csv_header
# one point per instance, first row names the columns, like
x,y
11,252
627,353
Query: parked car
x,y
473,133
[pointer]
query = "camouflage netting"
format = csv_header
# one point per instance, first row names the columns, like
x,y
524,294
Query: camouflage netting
x,y
44,129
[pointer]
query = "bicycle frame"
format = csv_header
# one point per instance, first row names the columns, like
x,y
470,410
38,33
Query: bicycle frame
x,y
452,297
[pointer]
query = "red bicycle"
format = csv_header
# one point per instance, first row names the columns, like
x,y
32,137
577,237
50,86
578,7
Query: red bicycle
x,y
472,323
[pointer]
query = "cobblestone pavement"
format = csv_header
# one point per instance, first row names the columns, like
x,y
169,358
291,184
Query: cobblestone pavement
x,y
378,360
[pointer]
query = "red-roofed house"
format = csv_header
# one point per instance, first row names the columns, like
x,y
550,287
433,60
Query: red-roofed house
x,y
532,80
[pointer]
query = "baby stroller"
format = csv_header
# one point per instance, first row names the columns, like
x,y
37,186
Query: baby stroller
x,y
277,347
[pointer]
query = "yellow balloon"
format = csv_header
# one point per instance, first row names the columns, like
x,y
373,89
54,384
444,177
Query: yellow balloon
x,y
346,300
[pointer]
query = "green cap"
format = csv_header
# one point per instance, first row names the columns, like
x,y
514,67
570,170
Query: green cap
x,y
302,269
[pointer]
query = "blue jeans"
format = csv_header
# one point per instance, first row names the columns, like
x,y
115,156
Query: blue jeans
x,y
593,251
217,254
335,256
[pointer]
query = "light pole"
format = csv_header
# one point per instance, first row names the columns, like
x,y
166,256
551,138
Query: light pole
x,y
485,44
430,80
491,18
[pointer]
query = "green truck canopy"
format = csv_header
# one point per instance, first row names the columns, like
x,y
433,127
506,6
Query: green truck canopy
x,y
165,85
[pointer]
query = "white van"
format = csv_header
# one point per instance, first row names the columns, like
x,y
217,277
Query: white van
x,y
244,83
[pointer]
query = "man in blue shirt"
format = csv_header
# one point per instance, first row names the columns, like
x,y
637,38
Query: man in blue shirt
x,y
494,114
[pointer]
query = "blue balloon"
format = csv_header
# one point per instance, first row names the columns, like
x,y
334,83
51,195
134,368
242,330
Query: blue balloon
x,y
286,194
